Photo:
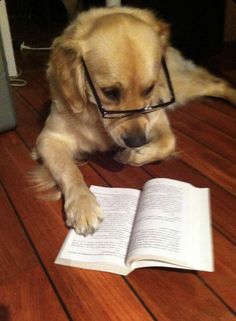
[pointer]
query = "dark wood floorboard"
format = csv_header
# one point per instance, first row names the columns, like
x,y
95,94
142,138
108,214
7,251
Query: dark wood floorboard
x,y
25,290
32,287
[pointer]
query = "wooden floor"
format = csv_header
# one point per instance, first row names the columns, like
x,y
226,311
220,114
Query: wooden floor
x,y
33,288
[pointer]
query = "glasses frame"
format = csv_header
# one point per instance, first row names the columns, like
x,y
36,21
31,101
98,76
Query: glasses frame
x,y
120,113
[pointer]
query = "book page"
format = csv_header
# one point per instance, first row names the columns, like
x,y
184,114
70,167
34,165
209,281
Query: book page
x,y
107,248
172,225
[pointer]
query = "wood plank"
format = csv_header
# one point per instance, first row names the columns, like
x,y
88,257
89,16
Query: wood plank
x,y
88,295
34,93
222,107
223,120
223,280
165,290
12,243
211,164
119,175
29,297
29,121
40,77
207,135
23,284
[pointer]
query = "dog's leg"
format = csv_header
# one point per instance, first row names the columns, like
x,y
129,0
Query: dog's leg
x,y
191,82
161,144
81,208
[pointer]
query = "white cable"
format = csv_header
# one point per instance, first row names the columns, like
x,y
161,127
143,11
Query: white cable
x,y
15,81
24,47
19,82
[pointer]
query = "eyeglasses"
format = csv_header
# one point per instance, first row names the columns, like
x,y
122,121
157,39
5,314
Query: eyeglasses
x,y
126,113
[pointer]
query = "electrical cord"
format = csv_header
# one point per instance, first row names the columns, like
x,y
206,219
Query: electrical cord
x,y
25,47
15,81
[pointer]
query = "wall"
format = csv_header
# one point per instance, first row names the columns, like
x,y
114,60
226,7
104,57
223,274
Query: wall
x,y
230,21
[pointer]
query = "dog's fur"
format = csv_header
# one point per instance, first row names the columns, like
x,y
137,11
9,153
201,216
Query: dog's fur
x,y
122,48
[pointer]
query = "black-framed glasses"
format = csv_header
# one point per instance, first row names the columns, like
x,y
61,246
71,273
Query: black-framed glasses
x,y
125,113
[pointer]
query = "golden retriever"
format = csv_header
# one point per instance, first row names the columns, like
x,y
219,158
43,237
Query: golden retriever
x,y
109,81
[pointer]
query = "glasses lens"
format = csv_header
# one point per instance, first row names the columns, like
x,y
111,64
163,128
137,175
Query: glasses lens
x,y
113,114
106,113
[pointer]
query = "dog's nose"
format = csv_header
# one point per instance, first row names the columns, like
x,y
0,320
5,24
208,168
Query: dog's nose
x,y
133,141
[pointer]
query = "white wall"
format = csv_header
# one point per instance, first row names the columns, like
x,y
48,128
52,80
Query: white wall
x,y
6,38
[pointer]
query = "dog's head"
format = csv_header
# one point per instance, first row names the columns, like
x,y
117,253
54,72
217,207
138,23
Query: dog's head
x,y
122,49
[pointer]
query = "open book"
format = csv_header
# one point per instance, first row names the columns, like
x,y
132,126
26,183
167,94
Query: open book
x,y
166,225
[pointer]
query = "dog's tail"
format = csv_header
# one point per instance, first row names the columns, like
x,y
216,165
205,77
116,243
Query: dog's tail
x,y
42,182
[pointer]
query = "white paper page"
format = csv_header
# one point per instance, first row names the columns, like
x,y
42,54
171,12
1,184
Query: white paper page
x,y
172,224
108,246
199,236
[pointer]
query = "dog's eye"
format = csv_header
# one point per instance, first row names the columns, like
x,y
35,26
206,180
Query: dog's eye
x,y
148,90
111,93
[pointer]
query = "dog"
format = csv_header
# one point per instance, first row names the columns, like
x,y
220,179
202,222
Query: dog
x,y
112,73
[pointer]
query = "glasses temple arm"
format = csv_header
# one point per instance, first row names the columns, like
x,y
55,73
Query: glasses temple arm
x,y
91,84
168,79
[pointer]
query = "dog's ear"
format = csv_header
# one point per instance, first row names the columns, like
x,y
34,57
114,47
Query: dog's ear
x,y
163,30
66,75
160,26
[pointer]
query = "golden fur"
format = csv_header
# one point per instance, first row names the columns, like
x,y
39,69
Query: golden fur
x,y
122,47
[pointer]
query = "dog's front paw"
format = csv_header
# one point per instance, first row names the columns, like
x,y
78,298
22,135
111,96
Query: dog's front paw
x,y
131,156
152,152
83,213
